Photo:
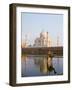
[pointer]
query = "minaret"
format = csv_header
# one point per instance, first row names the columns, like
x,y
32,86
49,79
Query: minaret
x,y
58,40
25,40
47,40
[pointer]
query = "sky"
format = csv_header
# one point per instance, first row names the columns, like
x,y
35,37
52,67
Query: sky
x,y
34,23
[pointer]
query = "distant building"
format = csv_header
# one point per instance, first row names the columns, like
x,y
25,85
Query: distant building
x,y
24,44
43,40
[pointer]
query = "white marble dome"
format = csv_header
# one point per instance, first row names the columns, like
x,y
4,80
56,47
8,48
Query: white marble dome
x,y
44,34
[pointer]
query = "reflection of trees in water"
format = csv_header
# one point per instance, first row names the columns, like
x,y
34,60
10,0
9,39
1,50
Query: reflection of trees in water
x,y
45,64
24,58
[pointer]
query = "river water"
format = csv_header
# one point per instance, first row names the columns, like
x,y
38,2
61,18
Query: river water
x,y
41,65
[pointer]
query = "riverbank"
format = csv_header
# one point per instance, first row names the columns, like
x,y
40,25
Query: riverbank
x,y
54,51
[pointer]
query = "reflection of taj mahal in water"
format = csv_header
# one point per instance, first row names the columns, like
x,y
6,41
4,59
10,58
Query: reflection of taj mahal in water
x,y
45,64
40,66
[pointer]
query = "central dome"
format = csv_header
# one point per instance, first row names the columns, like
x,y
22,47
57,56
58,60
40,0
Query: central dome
x,y
44,34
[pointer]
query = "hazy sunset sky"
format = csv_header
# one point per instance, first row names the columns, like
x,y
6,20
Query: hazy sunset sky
x,y
34,23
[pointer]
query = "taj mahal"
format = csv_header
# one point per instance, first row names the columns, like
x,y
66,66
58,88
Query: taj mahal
x,y
43,40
